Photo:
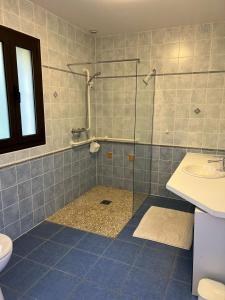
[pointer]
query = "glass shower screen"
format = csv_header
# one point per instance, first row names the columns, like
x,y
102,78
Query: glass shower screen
x,y
143,133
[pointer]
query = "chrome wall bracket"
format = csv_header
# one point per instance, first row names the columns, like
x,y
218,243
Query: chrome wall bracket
x,y
76,132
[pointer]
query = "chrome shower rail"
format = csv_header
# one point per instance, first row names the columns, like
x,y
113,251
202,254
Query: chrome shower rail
x,y
188,73
162,74
63,70
105,62
129,76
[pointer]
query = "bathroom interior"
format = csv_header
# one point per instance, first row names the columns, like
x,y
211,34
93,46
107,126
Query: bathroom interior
x,y
112,149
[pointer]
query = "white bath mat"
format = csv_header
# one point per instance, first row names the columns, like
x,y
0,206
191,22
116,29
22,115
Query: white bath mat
x,y
167,226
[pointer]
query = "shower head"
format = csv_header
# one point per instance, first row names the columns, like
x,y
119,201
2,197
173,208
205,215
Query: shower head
x,y
93,76
147,78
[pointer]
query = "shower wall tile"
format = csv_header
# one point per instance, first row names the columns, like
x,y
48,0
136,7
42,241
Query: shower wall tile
x,y
64,93
148,173
178,49
30,193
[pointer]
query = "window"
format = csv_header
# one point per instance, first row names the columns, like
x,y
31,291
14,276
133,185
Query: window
x,y
21,96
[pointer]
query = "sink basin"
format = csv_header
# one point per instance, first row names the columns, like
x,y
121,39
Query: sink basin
x,y
204,171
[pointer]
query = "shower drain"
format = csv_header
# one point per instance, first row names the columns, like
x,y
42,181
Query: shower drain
x,y
105,202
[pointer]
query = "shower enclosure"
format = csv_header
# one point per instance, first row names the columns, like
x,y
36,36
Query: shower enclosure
x,y
120,107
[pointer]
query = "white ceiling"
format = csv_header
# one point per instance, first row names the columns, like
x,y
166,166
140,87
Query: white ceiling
x,y
113,16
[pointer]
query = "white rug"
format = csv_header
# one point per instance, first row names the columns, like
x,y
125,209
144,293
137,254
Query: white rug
x,y
167,226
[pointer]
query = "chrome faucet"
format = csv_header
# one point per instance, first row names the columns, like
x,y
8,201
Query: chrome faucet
x,y
219,160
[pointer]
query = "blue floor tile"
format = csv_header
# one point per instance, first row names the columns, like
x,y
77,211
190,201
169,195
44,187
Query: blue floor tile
x,y
109,277
77,262
144,285
161,247
94,243
171,203
122,251
48,253
23,275
90,291
55,285
186,253
135,220
183,269
179,291
25,244
10,294
142,210
68,236
127,235
155,262
108,273
46,229
12,262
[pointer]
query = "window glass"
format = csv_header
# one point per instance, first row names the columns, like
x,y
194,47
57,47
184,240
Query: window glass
x,y
4,116
27,104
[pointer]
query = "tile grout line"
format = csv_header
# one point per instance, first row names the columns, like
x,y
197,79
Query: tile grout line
x,y
132,266
50,268
85,276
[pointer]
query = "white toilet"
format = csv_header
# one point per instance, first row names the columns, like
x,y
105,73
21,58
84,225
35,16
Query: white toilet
x,y
211,290
6,247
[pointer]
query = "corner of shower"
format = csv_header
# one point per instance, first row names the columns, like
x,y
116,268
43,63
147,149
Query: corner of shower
x,y
124,107
130,96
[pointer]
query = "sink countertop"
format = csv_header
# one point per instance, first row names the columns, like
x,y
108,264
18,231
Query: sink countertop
x,y
207,194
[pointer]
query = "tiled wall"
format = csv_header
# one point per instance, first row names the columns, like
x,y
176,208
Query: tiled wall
x,y
165,160
177,49
118,171
121,172
117,102
35,189
61,43
32,190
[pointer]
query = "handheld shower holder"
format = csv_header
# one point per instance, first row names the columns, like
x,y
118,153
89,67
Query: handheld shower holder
x,y
76,132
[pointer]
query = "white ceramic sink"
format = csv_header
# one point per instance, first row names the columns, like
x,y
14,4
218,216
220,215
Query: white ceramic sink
x,y
204,171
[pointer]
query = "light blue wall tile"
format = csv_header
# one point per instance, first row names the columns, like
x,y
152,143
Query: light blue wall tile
x,y
13,230
39,215
49,194
38,200
9,196
48,163
1,220
23,172
37,184
26,223
48,179
166,153
50,208
59,202
24,189
58,175
36,167
11,214
67,157
8,177
26,207
58,160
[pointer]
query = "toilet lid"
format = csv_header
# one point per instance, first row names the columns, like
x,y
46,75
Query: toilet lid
x,y
5,245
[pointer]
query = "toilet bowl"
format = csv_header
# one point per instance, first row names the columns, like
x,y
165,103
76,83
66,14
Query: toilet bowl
x,y
211,290
6,247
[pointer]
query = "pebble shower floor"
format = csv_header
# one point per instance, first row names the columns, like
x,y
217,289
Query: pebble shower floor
x,y
87,213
